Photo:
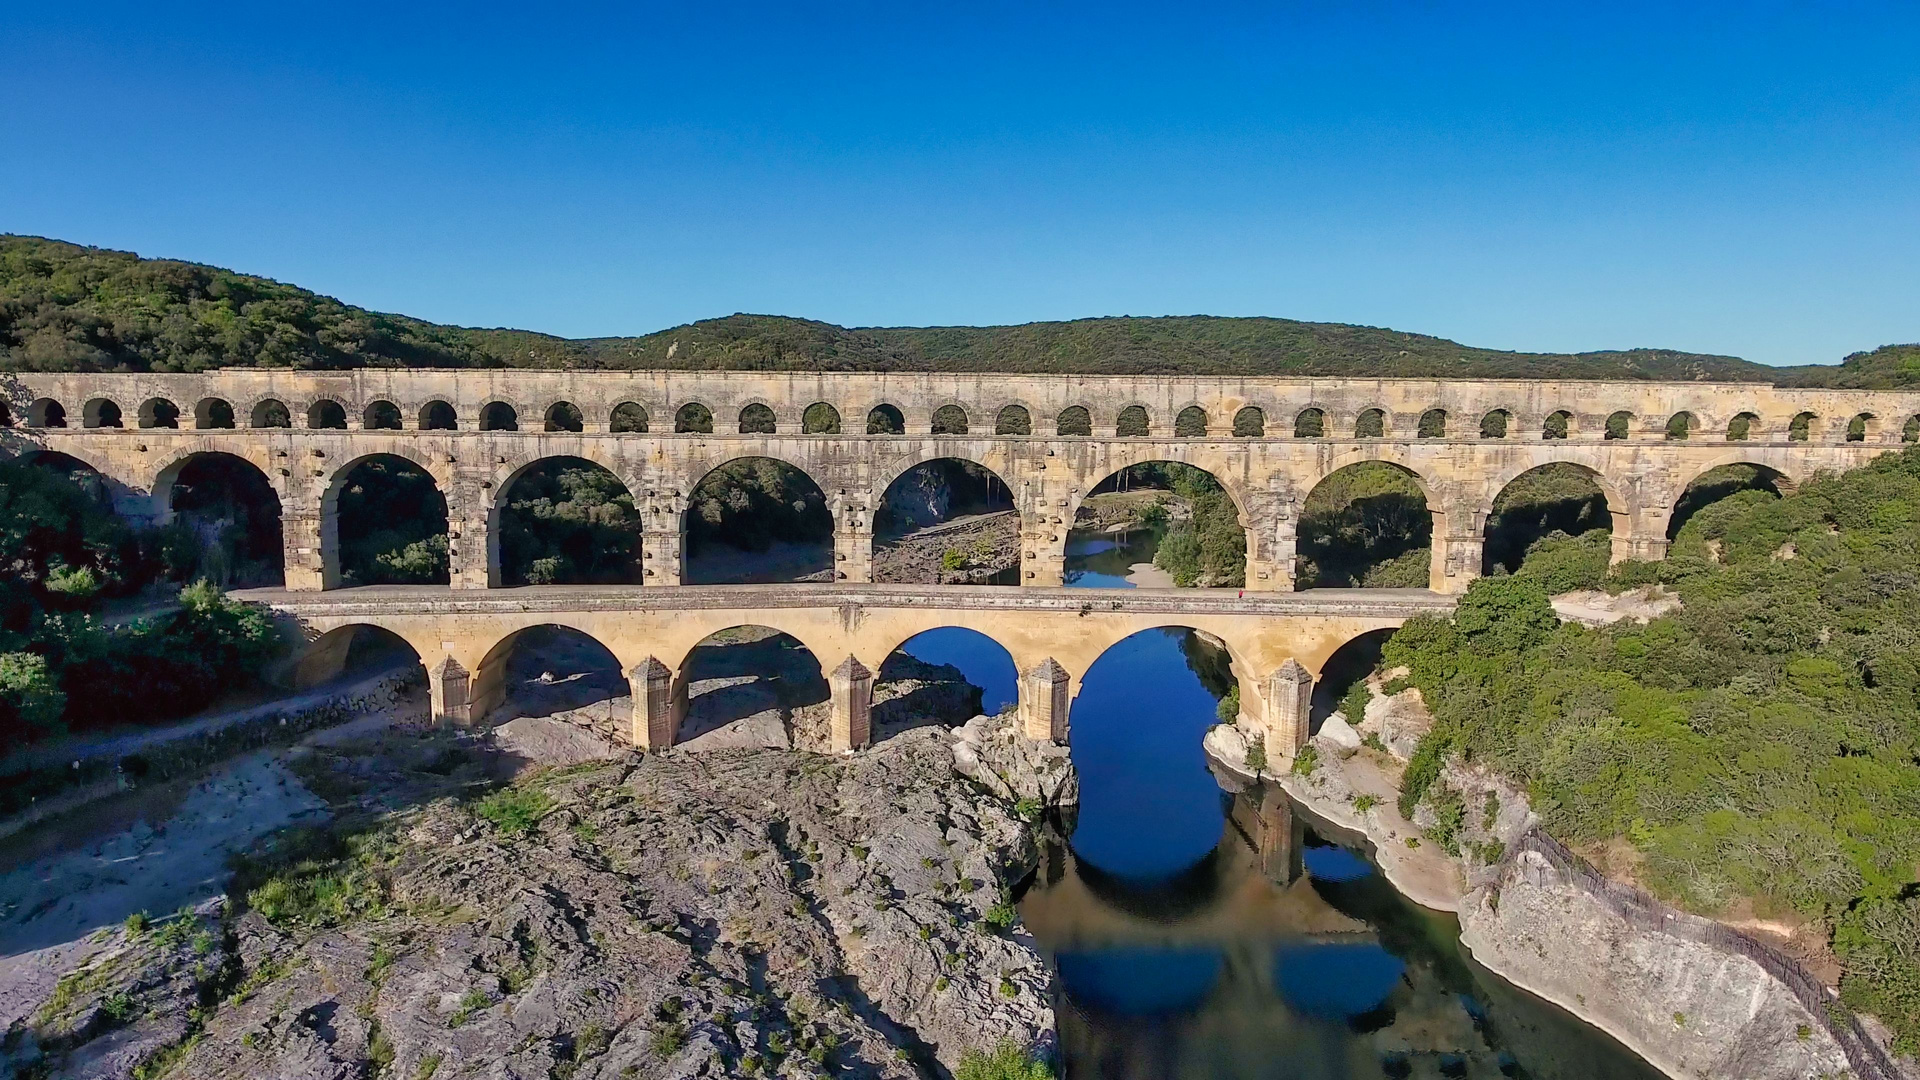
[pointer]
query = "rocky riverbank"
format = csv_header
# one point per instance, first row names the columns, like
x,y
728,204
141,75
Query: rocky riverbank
x,y
966,551
729,912
1692,997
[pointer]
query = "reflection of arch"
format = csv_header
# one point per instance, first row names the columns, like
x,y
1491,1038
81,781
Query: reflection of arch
x,y
212,413
778,678
350,649
577,555
499,416
949,420
327,413
223,492
159,413
565,416
101,413
381,415
1013,420
757,419
693,418
429,517
885,419
1250,423
1074,420
584,673
270,413
820,418
46,413
438,415
628,418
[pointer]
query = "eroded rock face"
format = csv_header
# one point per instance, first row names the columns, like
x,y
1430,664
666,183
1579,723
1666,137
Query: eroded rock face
x,y
675,915
994,753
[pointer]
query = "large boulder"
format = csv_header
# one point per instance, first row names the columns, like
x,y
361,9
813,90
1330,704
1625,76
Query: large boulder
x,y
996,754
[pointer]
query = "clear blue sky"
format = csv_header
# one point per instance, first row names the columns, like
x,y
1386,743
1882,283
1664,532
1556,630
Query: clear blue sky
x,y
1740,178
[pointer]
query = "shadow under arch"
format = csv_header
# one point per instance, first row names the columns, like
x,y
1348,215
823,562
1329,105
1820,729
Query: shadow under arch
x,y
918,537
1148,804
229,510
383,521
553,670
1367,524
1724,481
1348,665
1562,497
751,685
944,675
563,520
347,652
755,520
1196,535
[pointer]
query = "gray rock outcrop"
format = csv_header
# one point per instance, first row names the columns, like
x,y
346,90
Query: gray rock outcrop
x,y
994,753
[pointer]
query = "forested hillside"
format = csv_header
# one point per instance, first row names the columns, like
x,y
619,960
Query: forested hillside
x,y
69,308
1757,752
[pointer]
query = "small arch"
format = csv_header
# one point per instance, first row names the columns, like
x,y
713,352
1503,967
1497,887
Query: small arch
x,y
693,418
1433,424
755,520
159,413
1310,424
438,416
1370,424
1191,423
499,416
565,521
381,415
351,652
1250,423
565,416
1366,525
949,420
1619,425
554,670
820,418
908,548
1013,420
1680,426
1740,428
326,414
1861,426
270,413
884,419
1558,425
384,522
224,521
1800,428
1494,424
1132,422
745,672
46,413
1911,432
943,676
628,418
757,419
101,413
213,414
1074,420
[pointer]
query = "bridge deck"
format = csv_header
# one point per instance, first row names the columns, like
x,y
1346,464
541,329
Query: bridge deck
x,y
442,599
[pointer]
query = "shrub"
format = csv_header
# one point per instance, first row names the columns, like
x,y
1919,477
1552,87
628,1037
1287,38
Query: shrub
x,y
514,810
1006,1061
1306,760
1257,754
1353,705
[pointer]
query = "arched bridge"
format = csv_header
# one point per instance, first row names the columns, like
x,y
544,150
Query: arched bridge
x,y
1050,439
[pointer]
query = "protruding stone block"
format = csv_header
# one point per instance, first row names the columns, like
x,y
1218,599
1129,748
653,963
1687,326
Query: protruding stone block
x,y
449,690
1289,708
851,688
1043,702
657,710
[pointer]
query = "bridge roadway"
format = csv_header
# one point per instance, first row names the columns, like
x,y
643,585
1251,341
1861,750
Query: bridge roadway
x,y
1278,642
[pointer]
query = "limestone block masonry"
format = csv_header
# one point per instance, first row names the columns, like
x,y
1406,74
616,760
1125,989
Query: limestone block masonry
x,y
1269,441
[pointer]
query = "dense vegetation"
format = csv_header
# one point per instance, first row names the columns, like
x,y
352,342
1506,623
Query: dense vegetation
x,y
569,522
393,525
69,308
1760,748
1365,526
1207,547
750,503
62,667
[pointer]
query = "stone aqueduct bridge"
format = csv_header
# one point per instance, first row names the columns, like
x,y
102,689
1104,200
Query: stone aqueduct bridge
x,y
474,432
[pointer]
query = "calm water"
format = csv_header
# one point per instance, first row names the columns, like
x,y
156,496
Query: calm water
x,y
1204,934
982,660
1102,560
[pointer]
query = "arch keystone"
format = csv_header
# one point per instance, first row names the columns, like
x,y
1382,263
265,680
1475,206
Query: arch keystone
x,y
1289,705
850,686
657,710
1043,702
449,688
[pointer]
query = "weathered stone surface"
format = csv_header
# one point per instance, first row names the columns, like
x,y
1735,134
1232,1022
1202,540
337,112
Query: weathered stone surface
x,y
995,753
1337,734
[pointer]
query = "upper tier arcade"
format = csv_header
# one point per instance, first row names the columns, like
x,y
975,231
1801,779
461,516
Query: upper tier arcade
x,y
1051,439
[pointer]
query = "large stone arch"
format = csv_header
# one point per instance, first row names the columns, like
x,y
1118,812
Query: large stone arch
x,y
1455,532
1620,510
327,654
326,508
845,508
489,688
507,473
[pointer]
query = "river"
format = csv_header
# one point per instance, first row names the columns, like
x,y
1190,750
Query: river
x,y
1203,933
